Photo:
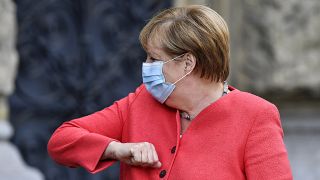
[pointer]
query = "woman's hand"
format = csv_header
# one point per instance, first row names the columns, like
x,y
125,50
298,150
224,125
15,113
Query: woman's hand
x,y
137,154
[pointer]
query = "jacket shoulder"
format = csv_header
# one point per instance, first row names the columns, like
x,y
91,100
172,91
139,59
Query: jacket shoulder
x,y
253,102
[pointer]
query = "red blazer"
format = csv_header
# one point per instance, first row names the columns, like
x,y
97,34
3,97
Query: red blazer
x,y
237,137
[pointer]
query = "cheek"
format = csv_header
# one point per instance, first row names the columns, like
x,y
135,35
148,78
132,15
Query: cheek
x,y
167,75
172,73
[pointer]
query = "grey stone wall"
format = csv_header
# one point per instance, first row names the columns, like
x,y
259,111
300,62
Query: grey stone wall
x,y
280,46
275,44
8,61
8,58
11,164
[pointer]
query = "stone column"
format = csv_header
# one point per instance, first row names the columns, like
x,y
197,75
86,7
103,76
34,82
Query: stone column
x,y
8,62
11,164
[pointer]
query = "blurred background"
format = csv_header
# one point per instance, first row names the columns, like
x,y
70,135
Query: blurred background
x,y
63,59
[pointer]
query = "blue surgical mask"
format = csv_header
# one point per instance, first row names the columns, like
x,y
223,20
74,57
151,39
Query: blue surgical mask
x,y
155,82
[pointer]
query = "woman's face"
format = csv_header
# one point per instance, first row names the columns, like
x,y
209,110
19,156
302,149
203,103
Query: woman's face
x,y
172,70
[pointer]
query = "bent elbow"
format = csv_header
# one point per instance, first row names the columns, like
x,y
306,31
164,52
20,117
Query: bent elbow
x,y
52,148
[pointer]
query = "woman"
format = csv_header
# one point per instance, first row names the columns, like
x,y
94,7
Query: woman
x,y
184,122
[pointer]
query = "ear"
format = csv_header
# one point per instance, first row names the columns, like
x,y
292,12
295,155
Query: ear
x,y
190,62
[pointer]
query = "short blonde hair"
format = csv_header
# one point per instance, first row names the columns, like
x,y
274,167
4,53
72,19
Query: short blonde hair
x,y
196,29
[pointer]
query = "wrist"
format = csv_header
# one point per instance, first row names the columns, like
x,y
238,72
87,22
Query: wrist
x,y
110,152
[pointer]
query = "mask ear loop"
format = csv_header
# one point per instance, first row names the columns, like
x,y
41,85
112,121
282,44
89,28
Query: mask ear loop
x,y
173,58
181,78
183,75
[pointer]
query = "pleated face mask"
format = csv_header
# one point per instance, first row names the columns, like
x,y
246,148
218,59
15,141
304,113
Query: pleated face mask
x,y
154,80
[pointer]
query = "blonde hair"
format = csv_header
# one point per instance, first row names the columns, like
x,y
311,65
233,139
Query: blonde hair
x,y
196,29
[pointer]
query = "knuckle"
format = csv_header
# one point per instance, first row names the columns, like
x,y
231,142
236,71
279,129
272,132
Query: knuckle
x,y
140,146
134,148
145,144
152,146
150,161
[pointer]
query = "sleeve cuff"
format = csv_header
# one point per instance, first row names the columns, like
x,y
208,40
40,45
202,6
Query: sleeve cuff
x,y
90,156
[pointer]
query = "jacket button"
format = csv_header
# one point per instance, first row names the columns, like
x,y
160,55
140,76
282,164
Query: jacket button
x,y
162,173
173,150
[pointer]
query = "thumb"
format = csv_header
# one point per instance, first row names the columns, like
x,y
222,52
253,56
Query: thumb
x,y
157,164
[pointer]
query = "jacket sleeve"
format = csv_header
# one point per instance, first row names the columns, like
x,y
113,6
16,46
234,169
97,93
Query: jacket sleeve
x,y
82,141
266,156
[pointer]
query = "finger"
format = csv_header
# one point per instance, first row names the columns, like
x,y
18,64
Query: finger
x,y
155,155
139,155
136,156
132,158
157,163
144,153
150,155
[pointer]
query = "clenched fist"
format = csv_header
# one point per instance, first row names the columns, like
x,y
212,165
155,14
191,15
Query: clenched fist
x,y
137,154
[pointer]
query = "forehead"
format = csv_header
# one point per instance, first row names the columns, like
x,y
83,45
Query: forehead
x,y
154,36
153,47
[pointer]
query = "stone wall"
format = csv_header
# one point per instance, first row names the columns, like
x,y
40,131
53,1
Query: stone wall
x,y
281,45
8,61
8,57
275,45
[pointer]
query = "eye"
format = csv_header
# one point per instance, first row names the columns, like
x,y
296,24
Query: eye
x,y
151,59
